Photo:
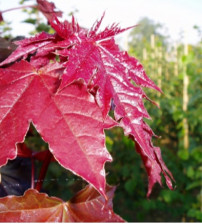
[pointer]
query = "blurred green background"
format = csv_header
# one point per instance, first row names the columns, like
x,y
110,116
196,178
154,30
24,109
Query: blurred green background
x,y
176,69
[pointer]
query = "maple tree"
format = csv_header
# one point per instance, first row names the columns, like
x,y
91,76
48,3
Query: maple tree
x,y
66,84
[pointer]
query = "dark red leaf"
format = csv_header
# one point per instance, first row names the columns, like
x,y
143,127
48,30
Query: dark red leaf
x,y
135,70
23,151
101,64
89,206
108,32
68,120
29,46
48,9
1,17
65,29
86,206
153,162
41,37
110,75
31,207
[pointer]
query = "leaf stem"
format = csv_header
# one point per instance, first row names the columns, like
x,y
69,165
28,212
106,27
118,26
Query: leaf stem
x,y
33,172
43,171
20,7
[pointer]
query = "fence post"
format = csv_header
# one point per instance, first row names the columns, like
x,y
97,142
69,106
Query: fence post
x,y
185,100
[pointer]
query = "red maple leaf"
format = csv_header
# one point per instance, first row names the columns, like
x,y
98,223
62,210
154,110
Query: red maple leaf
x,y
97,59
48,9
29,46
86,206
68,120
112,76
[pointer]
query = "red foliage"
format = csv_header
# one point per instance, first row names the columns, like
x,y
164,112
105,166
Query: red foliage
x,y
48,9
67,119
86,206
68,101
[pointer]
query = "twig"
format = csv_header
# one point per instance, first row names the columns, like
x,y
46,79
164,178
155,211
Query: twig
x,y
43,171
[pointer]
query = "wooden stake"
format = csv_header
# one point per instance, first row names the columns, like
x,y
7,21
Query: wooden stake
x,y
166,69
152,39
152,42
185,101
144,54
176,61
159,53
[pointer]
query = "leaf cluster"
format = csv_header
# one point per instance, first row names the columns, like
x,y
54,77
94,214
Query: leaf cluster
x,y
71,86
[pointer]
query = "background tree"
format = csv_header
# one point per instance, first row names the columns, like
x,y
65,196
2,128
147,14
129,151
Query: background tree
x,y
166,63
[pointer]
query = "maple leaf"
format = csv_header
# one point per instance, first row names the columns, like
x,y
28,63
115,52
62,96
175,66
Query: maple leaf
x,y
65,29
108,73
48,9
86,206
153,163
68,120
108,32
28,46
114,83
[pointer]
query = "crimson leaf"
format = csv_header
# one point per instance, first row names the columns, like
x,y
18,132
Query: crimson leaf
x,y
28,46
112,76
97,59
48,9
68,120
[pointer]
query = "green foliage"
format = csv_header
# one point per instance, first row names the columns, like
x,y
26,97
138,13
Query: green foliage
x,y
163,205
182,204
35,18
5,29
